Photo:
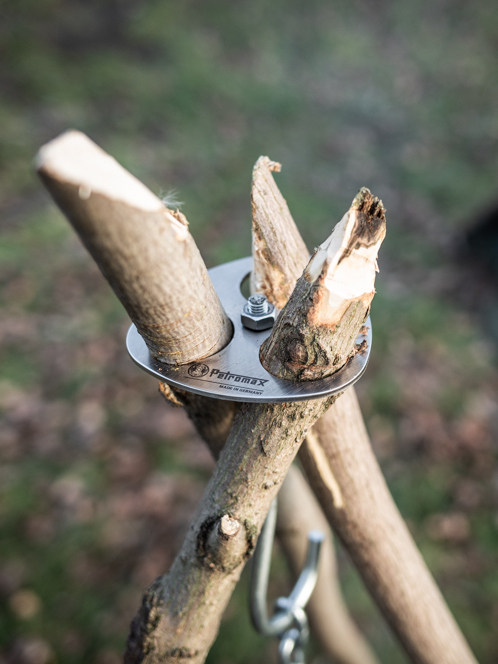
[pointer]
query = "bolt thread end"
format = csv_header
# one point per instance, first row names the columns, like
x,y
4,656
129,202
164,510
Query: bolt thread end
x,y
258,305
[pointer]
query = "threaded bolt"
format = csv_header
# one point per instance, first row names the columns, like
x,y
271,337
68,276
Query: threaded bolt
x,y
258,305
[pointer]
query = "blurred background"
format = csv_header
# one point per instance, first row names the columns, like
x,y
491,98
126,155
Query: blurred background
x,y
99,476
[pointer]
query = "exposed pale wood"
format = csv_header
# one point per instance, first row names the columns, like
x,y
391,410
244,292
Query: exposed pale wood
x,y
106,205
280,256
337,287
180,613
144,250
345,476
377,539
330,621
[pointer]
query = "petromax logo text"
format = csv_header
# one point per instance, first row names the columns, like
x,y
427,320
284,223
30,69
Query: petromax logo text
x,y
231,381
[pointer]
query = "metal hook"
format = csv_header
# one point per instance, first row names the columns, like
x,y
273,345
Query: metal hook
x,y
288,609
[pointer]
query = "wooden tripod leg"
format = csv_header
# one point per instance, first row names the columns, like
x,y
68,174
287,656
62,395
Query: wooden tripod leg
x,y
339,461
342,469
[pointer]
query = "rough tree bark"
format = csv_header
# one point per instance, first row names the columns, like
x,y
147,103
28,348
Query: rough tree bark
x,y
298,513
339,462
181,611
280,256
298,510
144,250
279,251
341,466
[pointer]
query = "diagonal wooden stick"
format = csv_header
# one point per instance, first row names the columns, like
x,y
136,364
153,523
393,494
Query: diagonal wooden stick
x,y
338,459
180,610
280,257
144,250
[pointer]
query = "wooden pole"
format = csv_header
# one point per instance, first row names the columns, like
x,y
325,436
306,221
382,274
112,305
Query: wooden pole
x,y
181,611
315,332
342,469
298,513
280,257
339,461
144,250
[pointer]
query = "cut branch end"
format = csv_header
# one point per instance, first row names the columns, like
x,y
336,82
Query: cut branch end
x,y
318,327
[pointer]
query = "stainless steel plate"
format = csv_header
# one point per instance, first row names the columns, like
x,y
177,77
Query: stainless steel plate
x,y
235,373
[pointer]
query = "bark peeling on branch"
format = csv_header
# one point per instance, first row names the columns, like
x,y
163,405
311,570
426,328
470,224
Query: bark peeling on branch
x,y
253,464
315,333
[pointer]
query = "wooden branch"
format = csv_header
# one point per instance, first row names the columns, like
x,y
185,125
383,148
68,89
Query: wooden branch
x,y
298,510
339,462
298,513
280,257
337,287
348,482
180,613
280,250
330,621
104,203
144,250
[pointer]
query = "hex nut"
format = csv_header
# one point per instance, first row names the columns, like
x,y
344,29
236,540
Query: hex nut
x,y
258,323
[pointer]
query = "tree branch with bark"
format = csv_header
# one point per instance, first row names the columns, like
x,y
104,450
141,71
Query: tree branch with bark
x,y
339,462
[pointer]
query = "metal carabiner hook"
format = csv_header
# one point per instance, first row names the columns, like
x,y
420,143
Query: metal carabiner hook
x,y
287,607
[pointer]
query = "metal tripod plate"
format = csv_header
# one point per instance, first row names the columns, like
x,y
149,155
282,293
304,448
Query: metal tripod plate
x,y
235,373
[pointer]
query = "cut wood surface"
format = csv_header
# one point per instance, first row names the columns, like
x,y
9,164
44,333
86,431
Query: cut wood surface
x,y
339,462
314,334
129,234
144,250
298,510
118,220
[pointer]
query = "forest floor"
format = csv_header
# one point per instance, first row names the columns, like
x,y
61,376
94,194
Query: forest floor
x,y
98,475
